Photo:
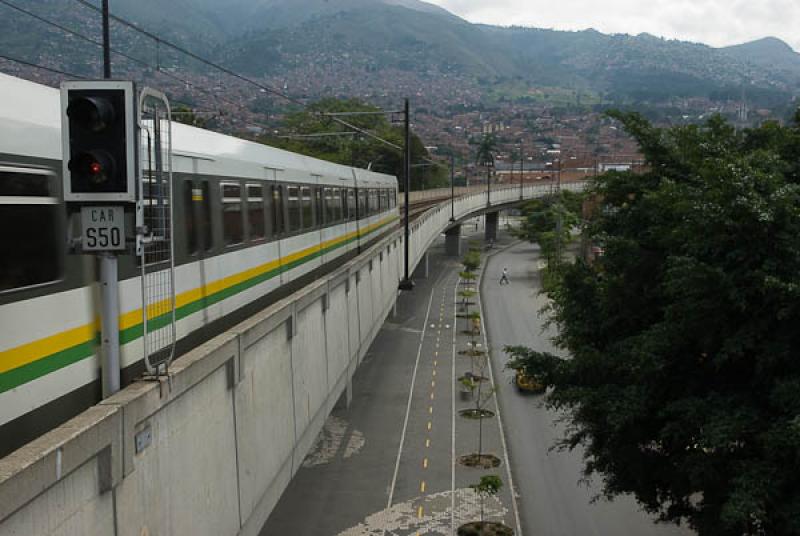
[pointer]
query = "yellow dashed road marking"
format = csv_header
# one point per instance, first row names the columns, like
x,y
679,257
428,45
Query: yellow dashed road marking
x,y
429,425
422,487
425,463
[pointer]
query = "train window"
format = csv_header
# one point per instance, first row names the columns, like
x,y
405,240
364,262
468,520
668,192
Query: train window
x,y
31,250
206,228
330,215
232,217
318,207
351,204
308,208
373,201
337,205
190,225
255,212
277,210
343,204
295,215
362,203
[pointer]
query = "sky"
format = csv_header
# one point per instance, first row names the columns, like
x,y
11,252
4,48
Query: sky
x,y
713,22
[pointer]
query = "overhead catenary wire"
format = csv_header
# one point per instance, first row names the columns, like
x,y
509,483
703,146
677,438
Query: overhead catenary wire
x,y
38,66
133,59
205,61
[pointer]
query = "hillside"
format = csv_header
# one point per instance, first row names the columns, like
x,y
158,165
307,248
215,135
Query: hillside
x,y
369,38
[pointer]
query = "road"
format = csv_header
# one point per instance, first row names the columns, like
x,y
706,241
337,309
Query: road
x,y
386,465
551,501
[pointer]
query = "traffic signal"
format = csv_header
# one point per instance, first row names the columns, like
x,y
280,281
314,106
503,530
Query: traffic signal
x,y
99,137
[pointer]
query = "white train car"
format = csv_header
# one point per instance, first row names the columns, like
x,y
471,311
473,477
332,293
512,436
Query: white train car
x,y
251,222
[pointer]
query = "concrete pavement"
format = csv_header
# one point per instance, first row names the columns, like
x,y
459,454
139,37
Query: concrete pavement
x,y
386,465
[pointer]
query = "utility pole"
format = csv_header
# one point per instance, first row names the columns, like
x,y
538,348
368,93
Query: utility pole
x,y
407,283
106,43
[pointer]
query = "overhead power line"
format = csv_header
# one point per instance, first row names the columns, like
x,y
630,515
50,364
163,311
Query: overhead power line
x,y
205,61
143,63
42,67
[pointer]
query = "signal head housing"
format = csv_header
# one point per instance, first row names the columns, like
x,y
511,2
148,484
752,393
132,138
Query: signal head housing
x,y
99,141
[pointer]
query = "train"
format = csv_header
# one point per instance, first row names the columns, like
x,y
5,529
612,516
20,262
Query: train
x,y
251,223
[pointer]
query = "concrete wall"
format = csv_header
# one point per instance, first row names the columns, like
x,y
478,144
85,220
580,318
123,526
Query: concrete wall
x,y
225,437
211,451
426,228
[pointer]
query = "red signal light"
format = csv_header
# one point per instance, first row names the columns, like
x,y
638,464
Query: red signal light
x,y
95,168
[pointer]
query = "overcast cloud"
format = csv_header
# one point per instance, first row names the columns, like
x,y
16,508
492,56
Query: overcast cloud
x,y
714,22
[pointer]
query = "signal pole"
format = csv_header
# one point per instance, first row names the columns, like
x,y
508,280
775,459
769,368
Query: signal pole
x,y
109,274
106,43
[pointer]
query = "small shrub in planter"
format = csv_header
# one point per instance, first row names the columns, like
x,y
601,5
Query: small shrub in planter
x,y
487,528
489,486
472,413
482,461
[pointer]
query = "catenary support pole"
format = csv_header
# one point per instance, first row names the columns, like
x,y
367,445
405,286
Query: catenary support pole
x,y
406,283
521,169
452,187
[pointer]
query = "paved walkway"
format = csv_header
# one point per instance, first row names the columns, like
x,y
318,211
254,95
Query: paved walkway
x,y
387,465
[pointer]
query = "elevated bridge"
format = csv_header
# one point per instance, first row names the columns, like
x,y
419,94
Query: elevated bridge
x,y
210,451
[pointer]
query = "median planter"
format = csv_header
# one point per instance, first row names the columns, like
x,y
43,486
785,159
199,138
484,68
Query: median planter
x,y
473,413
486,528
489,486
479,461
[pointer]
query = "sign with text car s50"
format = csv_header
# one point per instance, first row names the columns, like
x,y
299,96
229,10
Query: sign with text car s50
x,y
103,228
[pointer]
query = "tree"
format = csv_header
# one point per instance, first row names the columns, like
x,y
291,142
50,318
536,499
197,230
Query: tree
x,y
355,149
484,156
684,375
488,486
187,116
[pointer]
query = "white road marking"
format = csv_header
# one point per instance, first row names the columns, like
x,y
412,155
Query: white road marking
x,y
408,406
511,487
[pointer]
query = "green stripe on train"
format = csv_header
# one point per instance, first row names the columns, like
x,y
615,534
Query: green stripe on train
x,y
53,362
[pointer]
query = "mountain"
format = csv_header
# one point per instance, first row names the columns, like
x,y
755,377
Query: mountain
x,y
768,52
315,41
227,19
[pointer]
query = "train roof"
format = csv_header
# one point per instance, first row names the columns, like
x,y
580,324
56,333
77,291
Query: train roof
x,y
30,125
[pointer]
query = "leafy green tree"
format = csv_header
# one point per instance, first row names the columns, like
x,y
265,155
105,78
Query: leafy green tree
x,y
684,378
187,116
353,149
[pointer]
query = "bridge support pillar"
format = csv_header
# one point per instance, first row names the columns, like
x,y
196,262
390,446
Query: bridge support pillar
x,y
452,241
492,219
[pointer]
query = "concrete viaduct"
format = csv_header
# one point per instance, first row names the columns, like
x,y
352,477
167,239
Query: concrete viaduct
x,y
210,452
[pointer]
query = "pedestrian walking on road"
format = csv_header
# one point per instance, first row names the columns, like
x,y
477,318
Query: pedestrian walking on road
x,y
504,277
